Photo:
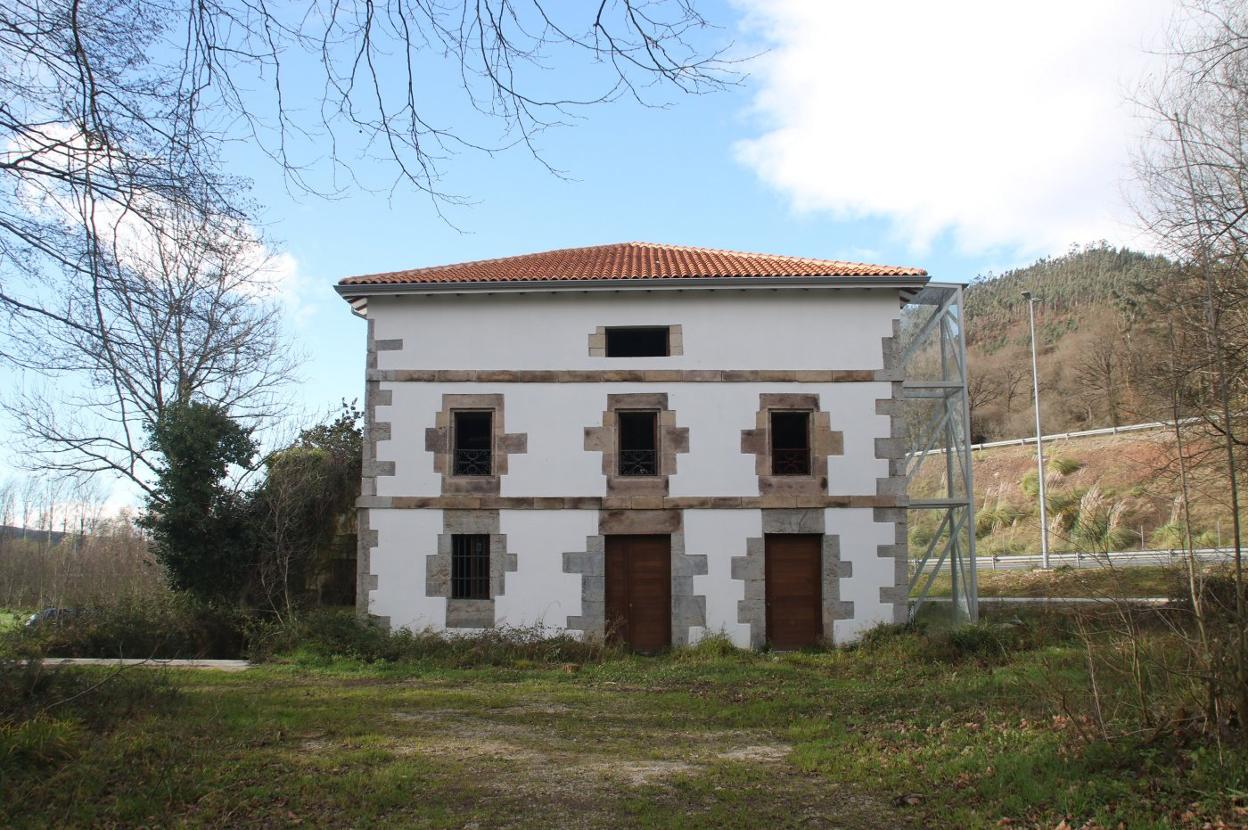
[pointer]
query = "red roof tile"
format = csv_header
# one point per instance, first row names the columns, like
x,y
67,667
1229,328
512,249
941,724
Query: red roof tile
x,y
632,260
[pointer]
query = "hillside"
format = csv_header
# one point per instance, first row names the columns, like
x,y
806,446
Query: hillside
x,y
1091,330
1104,493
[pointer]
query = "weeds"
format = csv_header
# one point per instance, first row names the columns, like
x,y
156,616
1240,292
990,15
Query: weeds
x,y
47,714
342,634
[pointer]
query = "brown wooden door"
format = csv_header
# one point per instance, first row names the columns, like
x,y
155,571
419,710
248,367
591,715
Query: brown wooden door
x,y
639,591
794,590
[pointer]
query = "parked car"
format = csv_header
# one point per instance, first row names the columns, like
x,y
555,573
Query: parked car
x,y
52,616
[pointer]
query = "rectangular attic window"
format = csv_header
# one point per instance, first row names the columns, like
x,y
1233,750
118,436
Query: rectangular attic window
x,y
639,341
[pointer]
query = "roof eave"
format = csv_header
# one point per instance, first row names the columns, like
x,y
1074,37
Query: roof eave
x,y
351,292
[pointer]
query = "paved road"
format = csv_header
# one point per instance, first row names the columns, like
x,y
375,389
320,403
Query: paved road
x,y
217,665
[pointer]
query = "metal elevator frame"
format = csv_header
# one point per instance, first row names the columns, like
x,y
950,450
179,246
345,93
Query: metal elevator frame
x,y
936,417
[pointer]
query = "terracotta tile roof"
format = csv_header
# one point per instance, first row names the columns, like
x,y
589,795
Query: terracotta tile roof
x,y
632,260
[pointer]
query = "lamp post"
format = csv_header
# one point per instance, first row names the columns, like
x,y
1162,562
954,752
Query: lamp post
x,y
1035,387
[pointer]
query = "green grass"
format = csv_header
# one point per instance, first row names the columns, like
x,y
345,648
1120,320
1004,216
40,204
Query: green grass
x,y
10,619
1143,581
705,737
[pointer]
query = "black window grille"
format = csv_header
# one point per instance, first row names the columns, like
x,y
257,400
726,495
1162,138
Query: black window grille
x,y
638,341
470,566
790,443
639,443
474,443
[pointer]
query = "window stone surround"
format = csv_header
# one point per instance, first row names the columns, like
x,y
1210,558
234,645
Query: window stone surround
x,y
605,439
439,441
469,613
675,339
824,441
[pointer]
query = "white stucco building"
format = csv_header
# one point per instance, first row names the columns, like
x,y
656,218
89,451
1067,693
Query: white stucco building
x,y
643,441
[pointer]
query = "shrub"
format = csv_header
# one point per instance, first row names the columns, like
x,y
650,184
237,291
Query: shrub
x,y
986,641
176,626
711,647
1064,466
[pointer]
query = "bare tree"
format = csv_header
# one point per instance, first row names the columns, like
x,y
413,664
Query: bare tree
x,y
1195,172
190,315
114,118
1099,375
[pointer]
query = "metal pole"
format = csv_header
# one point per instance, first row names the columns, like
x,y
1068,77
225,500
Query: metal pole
x,y
1035,386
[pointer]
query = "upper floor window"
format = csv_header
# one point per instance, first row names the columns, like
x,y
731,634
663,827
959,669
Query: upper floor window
x,y
473,436
639,442
790,443
470,566
638,341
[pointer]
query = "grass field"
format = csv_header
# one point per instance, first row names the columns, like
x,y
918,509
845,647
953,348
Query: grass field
x,y
10,619
878,737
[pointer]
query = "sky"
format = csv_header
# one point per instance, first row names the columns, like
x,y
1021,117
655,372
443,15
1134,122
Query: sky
x,y
966,138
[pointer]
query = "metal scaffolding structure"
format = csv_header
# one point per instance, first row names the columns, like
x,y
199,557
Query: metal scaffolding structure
x,y
937,418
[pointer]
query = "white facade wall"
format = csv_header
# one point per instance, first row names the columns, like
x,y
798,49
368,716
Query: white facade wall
x,y
723,329
554,417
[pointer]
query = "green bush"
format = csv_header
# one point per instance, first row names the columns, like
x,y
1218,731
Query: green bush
x,y
986,641
711,647
1064,466
176,626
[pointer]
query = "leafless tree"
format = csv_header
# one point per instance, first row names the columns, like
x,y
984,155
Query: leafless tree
x,y
1194,168
1099,375
192,315
114,119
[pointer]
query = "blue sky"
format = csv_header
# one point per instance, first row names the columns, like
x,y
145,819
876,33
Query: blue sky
x,y
827,149
964,140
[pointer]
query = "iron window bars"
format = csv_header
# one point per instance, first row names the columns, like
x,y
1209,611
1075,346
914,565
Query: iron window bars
x,y
470,566
639,443
790,443
473,443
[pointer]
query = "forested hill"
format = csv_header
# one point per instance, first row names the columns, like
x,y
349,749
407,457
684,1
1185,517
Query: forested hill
x,y
1094,277
1090,313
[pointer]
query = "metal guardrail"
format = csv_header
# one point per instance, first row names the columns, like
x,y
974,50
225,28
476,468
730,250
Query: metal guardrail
x,y
1124,558
1085,433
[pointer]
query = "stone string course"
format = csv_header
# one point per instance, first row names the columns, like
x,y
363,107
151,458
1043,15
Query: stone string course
x,y
491,502
627,375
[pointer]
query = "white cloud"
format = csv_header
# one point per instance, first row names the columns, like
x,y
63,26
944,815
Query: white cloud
x,y
262,274
1006,124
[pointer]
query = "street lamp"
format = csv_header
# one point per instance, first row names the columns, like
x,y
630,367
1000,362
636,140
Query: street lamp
x,y
1035,387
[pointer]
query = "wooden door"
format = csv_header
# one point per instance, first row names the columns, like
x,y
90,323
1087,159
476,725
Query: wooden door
x,y
639,591
793,578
